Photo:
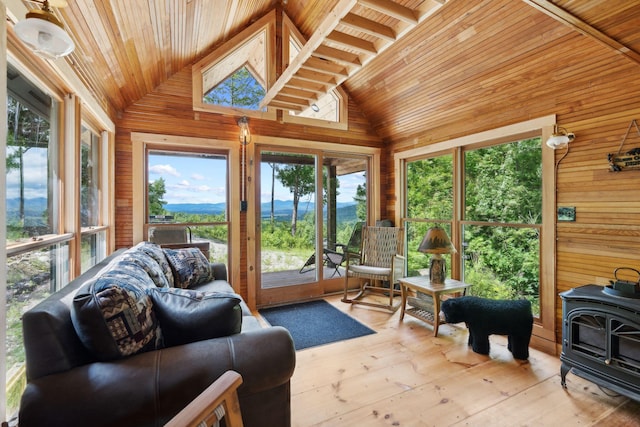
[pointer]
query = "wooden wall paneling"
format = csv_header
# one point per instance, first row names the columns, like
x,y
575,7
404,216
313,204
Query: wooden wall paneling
x,y
606,233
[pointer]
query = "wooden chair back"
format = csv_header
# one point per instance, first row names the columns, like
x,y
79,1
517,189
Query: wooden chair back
x,y
218,401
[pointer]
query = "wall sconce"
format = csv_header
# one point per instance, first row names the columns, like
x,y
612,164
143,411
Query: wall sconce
x,y
44,33
245,138
560,138
436,242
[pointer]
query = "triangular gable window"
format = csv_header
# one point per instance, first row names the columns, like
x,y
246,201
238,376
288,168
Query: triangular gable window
x,y
241,89
233,78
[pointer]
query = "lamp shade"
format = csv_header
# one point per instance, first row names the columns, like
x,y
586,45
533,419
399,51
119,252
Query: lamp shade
x,y
560,138
436,241
557,141
43,33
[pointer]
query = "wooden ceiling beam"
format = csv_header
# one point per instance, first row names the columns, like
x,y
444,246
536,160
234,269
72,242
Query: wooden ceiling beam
x,y
324,29
325,66
337,55
370,27
351,42
582,27
299,93
285,106
356,51
392,9
291,100
297,83
316,76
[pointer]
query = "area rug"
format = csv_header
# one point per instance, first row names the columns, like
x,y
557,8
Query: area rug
x,y
315,323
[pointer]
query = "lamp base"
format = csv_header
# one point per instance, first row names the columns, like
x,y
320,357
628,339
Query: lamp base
x,y
437,270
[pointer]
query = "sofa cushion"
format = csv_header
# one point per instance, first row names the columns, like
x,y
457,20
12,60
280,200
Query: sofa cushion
x,y
189,266
146,263
156,252
187,316
127,270
114,318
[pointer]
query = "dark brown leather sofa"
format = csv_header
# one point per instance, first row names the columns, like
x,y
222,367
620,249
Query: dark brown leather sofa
x,y
68,386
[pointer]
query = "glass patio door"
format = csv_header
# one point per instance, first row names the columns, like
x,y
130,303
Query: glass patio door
x,y
288,218
309,206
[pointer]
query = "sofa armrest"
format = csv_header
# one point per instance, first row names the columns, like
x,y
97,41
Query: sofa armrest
x,y
148,389
219,270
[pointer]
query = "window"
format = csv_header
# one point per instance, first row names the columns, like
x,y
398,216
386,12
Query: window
x,y
93,241
35,267
429,202
31,161
241,89
330,109
486,191
233,78
502,220
187,201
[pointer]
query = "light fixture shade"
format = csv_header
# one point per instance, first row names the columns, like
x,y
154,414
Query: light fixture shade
x,y
560,138
245,133
43,33
436,241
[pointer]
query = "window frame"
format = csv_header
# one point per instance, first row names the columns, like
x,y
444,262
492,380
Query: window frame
x,y
265,24
63,243
544,327
140,141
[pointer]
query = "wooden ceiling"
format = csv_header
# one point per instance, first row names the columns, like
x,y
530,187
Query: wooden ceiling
x,y
456,51
345,41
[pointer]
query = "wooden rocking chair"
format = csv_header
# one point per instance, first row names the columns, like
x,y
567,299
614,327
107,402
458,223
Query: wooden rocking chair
x,y
379,264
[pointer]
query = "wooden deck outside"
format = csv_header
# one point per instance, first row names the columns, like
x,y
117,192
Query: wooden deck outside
x,y
294,277
403,376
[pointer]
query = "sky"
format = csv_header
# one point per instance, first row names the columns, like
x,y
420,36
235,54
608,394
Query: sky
x,y
203,180
187,179
35,175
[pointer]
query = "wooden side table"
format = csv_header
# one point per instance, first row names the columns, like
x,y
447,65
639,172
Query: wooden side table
x,y
423,284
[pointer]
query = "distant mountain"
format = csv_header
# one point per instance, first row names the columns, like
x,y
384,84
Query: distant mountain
x,y
196,208
281,208
34,210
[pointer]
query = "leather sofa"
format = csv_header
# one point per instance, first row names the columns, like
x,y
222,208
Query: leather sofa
x,y
69,384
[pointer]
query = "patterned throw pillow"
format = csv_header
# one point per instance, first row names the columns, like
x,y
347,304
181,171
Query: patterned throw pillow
x,y
190,266
156,252
126,270
114,318
147,263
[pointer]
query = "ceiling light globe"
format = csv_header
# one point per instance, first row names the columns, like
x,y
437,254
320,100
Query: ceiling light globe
x,y
557,141
46,38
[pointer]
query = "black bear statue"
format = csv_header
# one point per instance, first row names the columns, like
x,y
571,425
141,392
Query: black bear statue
x,y
486,317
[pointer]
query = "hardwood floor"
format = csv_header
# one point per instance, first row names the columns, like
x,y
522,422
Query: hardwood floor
x,y
404,376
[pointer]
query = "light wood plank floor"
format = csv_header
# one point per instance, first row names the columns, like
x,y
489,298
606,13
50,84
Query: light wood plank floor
x,y
404,376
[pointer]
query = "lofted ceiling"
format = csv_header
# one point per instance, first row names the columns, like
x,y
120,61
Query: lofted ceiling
x,y
413,61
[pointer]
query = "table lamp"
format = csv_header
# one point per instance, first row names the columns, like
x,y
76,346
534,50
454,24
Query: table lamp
x,y
436,242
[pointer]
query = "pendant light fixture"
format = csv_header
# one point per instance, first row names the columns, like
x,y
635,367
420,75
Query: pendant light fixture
x,y
44,33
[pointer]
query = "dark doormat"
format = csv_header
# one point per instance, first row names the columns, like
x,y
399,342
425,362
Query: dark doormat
x,y
315,323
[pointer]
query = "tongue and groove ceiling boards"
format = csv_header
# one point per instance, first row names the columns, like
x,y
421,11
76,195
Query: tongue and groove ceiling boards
x,y
406,64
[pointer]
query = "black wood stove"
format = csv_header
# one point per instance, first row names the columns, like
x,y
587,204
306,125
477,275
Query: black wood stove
x,y
601,338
